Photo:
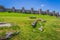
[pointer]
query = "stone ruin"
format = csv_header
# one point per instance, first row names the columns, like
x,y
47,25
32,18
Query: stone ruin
x,y
13,9
40,11
23,10
2,9
4,24
47,12
41,28
9,35
32,11
34,24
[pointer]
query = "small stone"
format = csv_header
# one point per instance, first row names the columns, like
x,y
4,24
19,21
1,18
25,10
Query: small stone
x,y
41,28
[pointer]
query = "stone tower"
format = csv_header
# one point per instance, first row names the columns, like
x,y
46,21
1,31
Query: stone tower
x,y
53,13
57,14
23,10
2,9
40,11
47,12
13,9
32,10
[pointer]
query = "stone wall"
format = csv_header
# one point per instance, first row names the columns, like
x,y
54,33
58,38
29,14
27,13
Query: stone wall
x,y
47,12
32,11
40,11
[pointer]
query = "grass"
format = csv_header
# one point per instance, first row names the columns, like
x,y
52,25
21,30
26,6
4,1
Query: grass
x,y
23,24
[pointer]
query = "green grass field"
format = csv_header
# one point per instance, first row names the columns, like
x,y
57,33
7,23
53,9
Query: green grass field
x,y
23,22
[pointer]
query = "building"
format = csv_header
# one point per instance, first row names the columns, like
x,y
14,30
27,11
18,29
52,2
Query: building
x,y
2,9
32,11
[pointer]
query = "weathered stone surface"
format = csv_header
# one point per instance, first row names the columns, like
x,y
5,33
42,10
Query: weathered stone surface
x,y
23,10
13,9
9,35
34,24
2,9
53,13
47,11
3,24
40,11
57,14
41,28
32,10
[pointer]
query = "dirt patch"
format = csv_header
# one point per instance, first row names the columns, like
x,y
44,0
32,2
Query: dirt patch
x,y
58,29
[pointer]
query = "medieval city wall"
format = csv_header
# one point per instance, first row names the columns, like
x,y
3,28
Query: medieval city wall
x,y
32,11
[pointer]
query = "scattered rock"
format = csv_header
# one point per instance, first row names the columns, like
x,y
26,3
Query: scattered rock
x,y
9,35
34,24
3,24
41,28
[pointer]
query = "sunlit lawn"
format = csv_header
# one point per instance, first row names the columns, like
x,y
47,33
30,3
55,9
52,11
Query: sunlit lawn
x,y
23,22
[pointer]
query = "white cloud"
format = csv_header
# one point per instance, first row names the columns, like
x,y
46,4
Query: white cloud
x,y
42,5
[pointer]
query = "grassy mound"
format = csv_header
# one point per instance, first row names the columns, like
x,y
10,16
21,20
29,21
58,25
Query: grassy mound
x,y
23,22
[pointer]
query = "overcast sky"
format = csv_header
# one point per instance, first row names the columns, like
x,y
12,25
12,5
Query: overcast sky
x,y
36,4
